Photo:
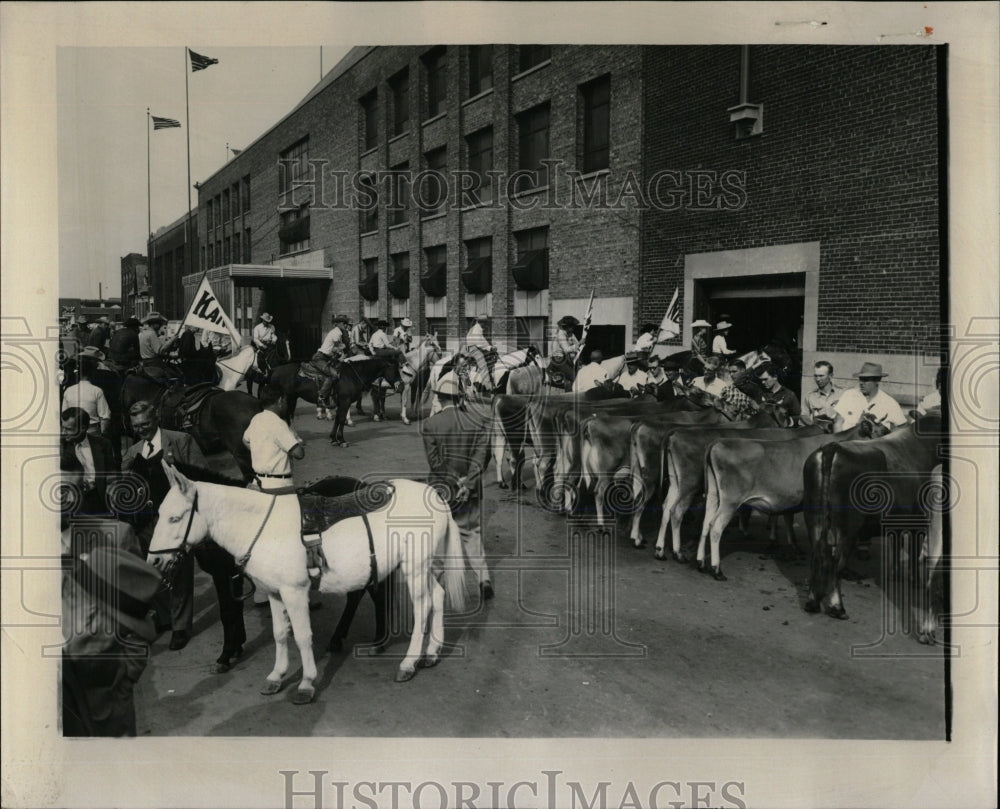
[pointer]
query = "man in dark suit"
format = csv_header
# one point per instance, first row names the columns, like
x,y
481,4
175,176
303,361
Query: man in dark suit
x,y
92,455
145,459
457,450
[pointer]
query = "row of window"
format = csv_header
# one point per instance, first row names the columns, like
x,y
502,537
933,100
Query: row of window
x,y
229,250
530,270
228,205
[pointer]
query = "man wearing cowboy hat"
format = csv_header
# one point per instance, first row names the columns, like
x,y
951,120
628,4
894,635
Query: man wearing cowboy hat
x,y
699,339
360,335
264,336
100,334
380,339
402,337
327,359
719,345
150,345
867,398
86,395
457,451
632,378
123,348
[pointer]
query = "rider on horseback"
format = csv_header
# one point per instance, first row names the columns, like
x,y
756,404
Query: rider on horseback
x,y
327,360
477,338
264,338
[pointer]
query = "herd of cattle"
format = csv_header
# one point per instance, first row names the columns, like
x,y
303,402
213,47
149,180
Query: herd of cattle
x,y
630,454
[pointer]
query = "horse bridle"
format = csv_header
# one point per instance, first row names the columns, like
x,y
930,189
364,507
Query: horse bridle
x,y
172,564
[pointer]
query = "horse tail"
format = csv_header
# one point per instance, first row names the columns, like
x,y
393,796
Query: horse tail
x,y
453,575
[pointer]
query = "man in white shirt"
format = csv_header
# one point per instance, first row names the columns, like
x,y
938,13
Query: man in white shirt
x,y
820,403
719,345
590,375
272,443
867,398
402,337
647,338
632,378
86,395
715,379
328,357
264,335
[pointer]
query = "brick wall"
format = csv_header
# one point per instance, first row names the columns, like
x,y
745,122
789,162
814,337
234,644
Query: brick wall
x,y
848,157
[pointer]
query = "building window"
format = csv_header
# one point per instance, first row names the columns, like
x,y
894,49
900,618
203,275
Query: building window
x,y
477,276
226,254
533,146
433,189
235,195
293,233
530,56
480,146
369,120
434,279
596,97
204,259
225,205
400,87
368,286
237,248
247,252
435,61
208,217
368,203
399,281
246,194
480,69
293,165
531,270
399,194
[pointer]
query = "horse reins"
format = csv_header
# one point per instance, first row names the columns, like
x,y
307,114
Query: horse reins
x,y
180,550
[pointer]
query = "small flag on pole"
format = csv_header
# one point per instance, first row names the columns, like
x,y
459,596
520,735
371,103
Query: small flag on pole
x,y
586,326
164,123
235,151
207,313
670,325
199,62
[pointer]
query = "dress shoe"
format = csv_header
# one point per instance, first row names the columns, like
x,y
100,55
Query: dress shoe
x,y
178,640
486,590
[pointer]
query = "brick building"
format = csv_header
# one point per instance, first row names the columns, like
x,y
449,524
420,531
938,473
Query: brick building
x,y
135,298
631,171
170,263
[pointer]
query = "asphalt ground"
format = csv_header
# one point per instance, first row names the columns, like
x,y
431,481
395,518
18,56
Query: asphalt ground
x,y
586,637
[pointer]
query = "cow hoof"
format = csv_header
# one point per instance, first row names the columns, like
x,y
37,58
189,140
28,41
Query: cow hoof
x,y
503,485
811,605
303,696
837,612
718,575
320,415
335,645
641,543
673,555
405,675
270,687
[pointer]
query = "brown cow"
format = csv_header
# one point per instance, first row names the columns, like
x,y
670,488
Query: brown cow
x,y
757,471
845,483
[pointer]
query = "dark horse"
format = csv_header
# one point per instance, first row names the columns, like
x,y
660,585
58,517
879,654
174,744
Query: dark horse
x,y
218,424
109,380
356,376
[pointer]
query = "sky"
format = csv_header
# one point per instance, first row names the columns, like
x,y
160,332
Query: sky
x,y
102,95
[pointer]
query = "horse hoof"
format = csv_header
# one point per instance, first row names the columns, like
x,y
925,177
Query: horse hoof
x,y
344,444
812,605
405,675
376,418
270,687
405,421
427,662
641,543
503,485
718,575
335,645
303,696
675,556
837,612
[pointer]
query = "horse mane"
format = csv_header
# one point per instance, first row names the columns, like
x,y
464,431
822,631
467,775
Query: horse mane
x,y
203,475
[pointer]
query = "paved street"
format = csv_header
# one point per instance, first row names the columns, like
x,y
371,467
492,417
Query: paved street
x,y
628,646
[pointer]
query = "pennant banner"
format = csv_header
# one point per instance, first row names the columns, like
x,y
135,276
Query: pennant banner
x,y
586,327
670,326
207,313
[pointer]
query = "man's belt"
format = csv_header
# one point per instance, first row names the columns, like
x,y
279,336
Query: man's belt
x,y
265,475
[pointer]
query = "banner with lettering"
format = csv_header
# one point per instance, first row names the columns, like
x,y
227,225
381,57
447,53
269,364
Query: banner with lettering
x,y
207,313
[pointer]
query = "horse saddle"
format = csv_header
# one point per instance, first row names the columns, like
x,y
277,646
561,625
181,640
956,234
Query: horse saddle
x,y
181,406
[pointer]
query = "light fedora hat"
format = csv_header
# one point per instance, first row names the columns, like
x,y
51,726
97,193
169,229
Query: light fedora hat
x,y
872,369
266,317
722,325
93,352
701,324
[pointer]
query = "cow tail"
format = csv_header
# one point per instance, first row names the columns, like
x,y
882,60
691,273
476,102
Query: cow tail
x,y
585,448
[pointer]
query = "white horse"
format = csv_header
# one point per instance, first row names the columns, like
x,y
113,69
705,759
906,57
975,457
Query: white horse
x,y
426,352
233,370
413,530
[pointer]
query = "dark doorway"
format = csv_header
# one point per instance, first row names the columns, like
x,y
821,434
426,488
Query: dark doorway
x,y
609,339
298,310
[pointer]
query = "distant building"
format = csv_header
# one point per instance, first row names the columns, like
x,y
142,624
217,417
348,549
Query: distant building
x,y
170,262
136,296
90,309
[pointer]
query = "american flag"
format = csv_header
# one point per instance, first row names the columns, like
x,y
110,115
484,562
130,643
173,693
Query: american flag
x,y
199,62
670,326
164,123
586,326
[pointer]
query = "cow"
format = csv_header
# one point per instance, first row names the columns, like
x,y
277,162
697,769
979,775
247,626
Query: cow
x,y
760,472
604,447
845,483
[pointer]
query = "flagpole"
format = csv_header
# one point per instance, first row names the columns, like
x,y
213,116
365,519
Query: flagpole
x,y
187,124
149,214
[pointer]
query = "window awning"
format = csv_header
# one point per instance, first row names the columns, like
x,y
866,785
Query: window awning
x,y
434,281
531,271
297,231
369,287
477,277
399,284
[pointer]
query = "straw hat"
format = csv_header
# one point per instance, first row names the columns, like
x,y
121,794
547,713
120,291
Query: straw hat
x,y
698,324
870,369
722,325
267,318
92,352
154,317
406,323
